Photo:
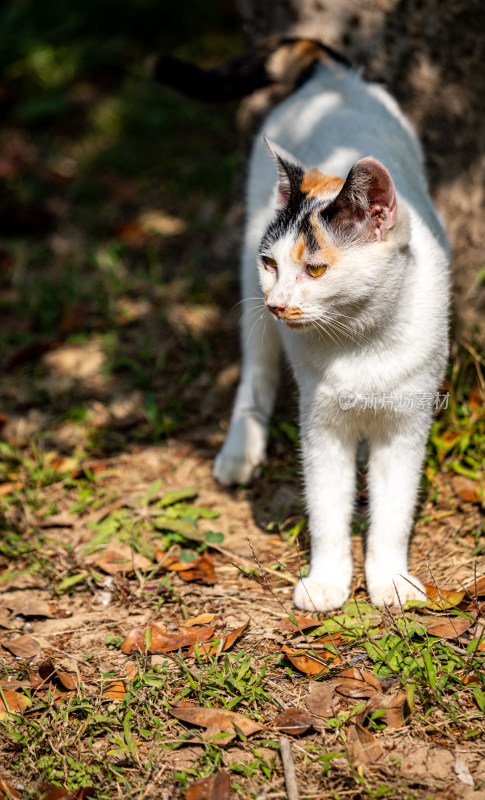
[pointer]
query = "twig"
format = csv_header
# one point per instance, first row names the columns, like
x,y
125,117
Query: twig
x,y
265,578
288,769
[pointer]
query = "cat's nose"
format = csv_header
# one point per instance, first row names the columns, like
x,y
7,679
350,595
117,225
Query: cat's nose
x,y
277,310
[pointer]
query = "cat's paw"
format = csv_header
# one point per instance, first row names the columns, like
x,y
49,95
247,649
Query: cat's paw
x,y
397,591
242,453
312,594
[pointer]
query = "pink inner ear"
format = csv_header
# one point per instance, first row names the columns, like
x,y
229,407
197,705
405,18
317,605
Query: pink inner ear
x,y
283,197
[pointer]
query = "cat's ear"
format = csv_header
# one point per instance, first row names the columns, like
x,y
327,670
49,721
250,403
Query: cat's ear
x,y
290,174
367,199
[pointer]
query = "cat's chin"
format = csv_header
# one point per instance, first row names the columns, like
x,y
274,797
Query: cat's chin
x,y
302,327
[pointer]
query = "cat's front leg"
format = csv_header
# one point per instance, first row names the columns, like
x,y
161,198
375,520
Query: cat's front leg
x,y
394,471
329,474
245,446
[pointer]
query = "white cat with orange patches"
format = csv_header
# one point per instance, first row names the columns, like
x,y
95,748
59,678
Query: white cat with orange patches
x,y
349,257
358,249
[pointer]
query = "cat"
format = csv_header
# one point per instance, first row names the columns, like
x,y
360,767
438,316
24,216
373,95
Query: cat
x,y
347,259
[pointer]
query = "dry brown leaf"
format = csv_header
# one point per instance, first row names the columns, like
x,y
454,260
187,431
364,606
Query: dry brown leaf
x,y
215,720
201,570
28,604
211,648
64,680
161,640
319,700
7,792
440,599
8,488
13,703
201,619
362,746
23,646
232,636
449,627
302,624
116,690
395,705
477,588
467,489
309,664
357,682
4,619
217,787
119,559
293,720
48,791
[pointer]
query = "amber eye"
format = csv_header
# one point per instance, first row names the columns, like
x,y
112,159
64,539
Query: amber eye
x,y
315,270
269,263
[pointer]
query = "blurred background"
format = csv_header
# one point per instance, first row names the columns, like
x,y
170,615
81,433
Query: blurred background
x,y
121,203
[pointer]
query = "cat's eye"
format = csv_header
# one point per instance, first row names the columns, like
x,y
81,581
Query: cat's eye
x,y
315,270
269,263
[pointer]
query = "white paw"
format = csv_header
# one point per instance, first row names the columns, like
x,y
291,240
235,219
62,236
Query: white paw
x,y
312,594
401,589
242,453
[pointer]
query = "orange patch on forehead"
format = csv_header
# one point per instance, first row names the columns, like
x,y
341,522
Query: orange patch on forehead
x,y
327,252
298,248
315,183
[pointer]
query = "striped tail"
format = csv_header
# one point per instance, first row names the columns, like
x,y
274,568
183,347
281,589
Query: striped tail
x,y
281,60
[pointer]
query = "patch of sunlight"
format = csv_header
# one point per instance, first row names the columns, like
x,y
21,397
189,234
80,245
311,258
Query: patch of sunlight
x,y
193,318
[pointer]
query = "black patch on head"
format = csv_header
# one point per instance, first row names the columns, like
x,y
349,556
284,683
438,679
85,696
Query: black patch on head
x,y
297,217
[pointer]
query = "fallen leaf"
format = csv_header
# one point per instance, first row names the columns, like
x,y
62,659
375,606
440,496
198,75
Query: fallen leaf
x,y
477,589
215,720
30,352
4,619
217,787
357,682
7,792
395,706
201,570
29,605
49,791
116,690
155,638
302,623
293,720
119,559
13,703
11,486
449,627
309,664
50,673
23,646
468,490
319,700
362,746
463,772
232,636
211,648
201,619
440,599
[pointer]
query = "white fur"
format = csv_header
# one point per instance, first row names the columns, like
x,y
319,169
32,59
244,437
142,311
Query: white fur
x,y
392,339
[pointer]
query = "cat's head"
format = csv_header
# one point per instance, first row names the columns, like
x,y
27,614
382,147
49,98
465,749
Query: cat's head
x,y
328,253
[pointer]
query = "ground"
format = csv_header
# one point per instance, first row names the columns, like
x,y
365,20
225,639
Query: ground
x,y
121,220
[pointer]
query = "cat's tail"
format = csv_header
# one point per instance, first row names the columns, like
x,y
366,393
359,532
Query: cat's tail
x,y
281,60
